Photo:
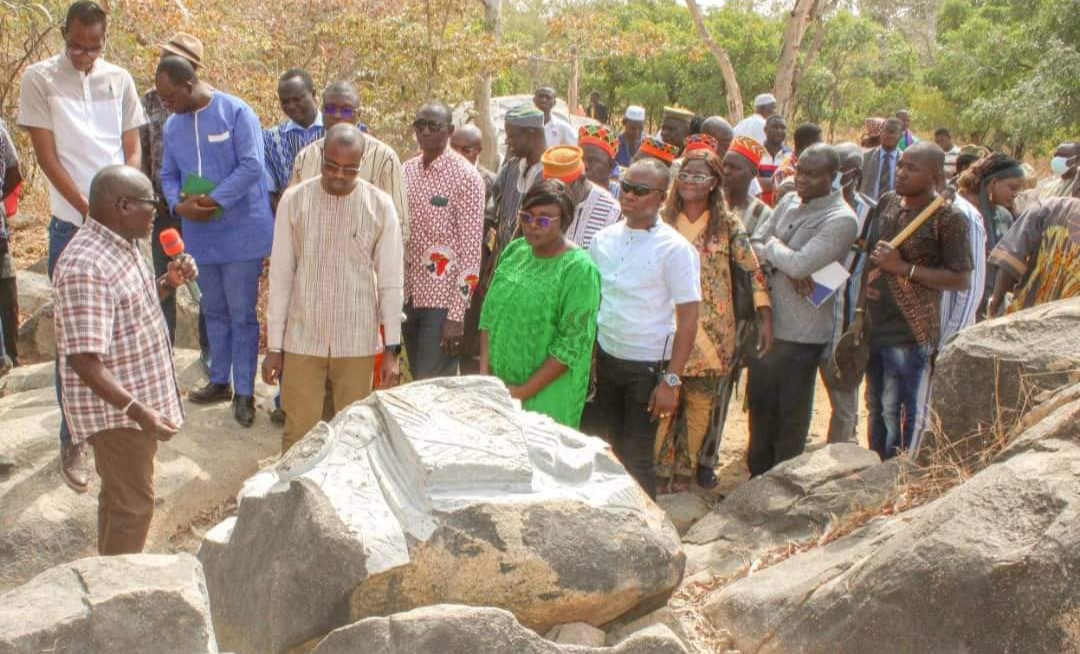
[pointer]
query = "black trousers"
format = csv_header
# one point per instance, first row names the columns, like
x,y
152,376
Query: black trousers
x,y
780,390
623,389
9,317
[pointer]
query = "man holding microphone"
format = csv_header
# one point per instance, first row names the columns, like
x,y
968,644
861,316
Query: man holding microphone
x,y
116,371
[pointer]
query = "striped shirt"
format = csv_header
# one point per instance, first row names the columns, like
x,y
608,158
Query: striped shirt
x,y
282,143
335,272
596,211
107,304
380,167
959,308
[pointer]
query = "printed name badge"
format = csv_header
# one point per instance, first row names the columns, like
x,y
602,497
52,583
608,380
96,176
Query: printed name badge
x,y
218,138
440,201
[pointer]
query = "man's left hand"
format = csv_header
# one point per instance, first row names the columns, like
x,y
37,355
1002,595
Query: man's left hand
x,y
889,259
390,371
452,333
181,270
663,401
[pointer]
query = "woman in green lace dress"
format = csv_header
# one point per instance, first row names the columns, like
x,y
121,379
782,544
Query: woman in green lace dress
x,y
538,323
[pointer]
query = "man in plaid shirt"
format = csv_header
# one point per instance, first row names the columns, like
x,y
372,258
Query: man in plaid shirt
x,y
116,371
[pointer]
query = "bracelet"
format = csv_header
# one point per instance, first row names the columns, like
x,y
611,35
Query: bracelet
x,y
911,273
860,310
127,407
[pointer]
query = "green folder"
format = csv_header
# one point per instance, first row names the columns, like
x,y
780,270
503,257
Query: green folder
x,y
199,185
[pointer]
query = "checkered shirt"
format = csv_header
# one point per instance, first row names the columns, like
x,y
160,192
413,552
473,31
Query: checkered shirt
x,y
107,304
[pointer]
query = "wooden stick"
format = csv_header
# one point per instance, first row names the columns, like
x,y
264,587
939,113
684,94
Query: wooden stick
x,y
923,216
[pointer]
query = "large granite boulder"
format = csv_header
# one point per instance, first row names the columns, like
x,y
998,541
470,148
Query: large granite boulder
x,y
34,291
145,603
44,523
37,338
448,629
793,503
441,491
27,378
989,567
989,374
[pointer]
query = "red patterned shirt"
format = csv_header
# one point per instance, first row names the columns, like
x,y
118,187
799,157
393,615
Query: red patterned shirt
x,y
446,215
107,304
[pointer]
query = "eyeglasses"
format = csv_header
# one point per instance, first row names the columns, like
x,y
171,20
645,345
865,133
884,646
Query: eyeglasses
x,y
153,200
334,168
428,125
639,190
79,52
542,222
694,179
342,112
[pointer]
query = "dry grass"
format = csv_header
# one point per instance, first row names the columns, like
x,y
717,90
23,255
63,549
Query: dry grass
x,y
187,538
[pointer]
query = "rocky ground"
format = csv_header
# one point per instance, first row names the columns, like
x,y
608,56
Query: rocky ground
x,y
437,518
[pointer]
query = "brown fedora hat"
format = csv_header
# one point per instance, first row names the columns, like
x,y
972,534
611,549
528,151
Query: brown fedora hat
x,y
187,46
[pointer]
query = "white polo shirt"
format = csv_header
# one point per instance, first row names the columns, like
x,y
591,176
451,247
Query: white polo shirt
x,y
644,273
559,132
87,115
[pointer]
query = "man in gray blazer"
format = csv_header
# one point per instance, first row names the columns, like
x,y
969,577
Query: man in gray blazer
x,y
879,164
808,230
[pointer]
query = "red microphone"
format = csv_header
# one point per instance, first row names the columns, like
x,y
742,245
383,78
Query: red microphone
x,y
173,246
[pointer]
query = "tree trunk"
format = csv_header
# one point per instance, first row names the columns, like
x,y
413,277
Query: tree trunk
x,y
572,92
794,31
731,84
489,158
807,61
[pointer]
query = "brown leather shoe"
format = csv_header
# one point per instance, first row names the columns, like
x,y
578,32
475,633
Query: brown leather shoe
x,y
73,467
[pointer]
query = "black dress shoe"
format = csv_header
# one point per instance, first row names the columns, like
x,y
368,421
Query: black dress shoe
x,y
244,410
706,477
211,393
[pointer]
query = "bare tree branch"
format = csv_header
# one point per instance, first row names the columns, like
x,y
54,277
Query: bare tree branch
x,y
731,83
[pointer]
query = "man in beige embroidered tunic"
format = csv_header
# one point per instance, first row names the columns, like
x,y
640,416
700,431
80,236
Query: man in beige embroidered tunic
x,y
335,277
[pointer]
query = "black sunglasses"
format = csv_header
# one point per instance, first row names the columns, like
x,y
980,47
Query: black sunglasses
x,y
420,125
639,190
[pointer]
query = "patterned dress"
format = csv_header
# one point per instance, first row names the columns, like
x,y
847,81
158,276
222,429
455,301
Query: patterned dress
x,y
538,308
1043,250
679,440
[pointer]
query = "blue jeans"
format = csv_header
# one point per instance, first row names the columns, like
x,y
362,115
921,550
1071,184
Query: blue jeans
x,y
897,397
229,294
422,336
60,234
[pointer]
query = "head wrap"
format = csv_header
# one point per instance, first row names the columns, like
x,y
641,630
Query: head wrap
x,y
564,163
700,142
679,114
763,100
526,116
601,136
634,112
998,167
748,148
657,149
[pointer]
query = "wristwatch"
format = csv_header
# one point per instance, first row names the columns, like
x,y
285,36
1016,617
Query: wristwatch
x,y
672,380
395,349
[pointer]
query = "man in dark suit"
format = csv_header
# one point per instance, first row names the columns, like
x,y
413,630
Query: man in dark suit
x,y
879,164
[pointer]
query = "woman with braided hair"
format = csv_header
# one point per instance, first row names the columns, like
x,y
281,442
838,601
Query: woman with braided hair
x,y
988,188
695,207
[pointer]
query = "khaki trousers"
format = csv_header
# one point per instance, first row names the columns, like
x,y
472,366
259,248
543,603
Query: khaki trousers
x,y
124,459
308,382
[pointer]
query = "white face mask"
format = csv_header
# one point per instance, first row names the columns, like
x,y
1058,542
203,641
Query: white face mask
x,y
1058,165
836,180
